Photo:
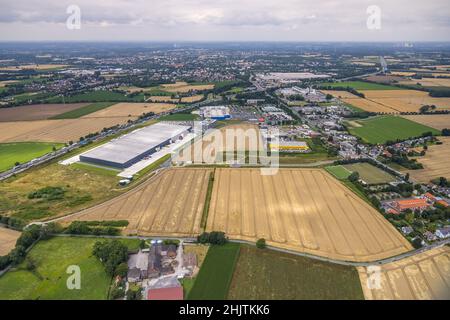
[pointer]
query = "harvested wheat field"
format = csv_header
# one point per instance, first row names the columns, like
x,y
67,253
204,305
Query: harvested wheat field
x,y
126,109
55,130
368,105
405,100
8,240
37,111
433,82
177,84
34,67
435,162
169,204
192,99
425,276
436,121
230,139
183,87
163,99
402,73
305,210
361,103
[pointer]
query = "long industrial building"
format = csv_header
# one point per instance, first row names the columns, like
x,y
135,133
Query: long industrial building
x,y
135,146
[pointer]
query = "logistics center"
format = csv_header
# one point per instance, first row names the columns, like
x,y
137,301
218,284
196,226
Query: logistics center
x,y
135,146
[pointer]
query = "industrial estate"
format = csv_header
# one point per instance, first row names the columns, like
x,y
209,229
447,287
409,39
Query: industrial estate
x,y
149,168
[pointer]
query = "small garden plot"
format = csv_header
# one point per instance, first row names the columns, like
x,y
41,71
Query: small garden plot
x,y
369,173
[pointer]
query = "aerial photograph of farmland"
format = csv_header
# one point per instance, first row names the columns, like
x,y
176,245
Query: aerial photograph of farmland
x,y
235,158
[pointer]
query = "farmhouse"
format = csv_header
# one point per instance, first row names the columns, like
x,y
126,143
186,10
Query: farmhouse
x,y
137,266
135,146
165,289
151,263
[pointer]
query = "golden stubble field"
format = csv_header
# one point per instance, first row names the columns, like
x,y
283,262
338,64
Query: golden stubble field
x,y
425,276
435,162
125,109
429,82
217,143
436,121
391,101
183,87
8,240
169,204
55,130
405,100
305,210
358,102
34,67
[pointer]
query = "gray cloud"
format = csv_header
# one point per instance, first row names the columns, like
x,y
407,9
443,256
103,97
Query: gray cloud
x,y
225,20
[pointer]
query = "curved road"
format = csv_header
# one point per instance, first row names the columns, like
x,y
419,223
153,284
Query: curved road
x,y
302,254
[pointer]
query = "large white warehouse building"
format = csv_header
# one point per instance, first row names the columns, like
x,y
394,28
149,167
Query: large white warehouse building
x,y
133,147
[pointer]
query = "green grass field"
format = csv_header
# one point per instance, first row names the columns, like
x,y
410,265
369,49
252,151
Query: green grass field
x,y
338,172
360,85
98,96
96,168
370,173
214,278
22,152
48,281
180,117
383,128
271,275
74,114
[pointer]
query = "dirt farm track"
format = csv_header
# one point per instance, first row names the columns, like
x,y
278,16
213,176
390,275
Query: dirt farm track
x,y
423,277
169,204
8,238
306,210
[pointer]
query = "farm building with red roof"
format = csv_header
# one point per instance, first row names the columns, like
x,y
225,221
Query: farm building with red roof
x,y
174,293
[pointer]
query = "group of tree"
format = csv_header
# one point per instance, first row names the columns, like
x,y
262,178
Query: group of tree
x,y
340,88
427,108
48,193
12,222
113,255
214,237
87,228
441,181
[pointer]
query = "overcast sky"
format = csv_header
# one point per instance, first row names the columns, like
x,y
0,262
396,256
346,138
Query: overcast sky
x,y
226,20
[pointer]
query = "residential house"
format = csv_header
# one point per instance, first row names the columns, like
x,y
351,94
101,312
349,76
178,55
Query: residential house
x,y
443,233
407,230
430,236
137,266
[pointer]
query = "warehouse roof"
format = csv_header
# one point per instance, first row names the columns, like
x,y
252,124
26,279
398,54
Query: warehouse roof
x,y
130,146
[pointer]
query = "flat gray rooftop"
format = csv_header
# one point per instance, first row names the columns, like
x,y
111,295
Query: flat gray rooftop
x,y
136,143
